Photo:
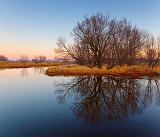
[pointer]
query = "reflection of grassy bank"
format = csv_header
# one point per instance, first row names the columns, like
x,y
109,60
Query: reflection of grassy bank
x,y
26,65
128,71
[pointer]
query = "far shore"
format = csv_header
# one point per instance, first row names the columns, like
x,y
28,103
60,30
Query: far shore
x,y
9,65
123,71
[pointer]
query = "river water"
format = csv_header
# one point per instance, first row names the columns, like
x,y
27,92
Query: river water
x,y
35,105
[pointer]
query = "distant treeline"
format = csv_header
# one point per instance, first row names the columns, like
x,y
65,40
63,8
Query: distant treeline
x,y
25,59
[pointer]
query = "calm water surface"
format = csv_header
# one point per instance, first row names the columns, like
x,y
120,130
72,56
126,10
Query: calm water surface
x,y
35,105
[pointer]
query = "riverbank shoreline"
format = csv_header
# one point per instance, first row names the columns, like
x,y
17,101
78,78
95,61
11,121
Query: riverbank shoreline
x,y
123,71
59,69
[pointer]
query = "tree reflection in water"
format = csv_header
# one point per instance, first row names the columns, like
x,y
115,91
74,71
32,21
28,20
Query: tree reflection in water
x,y
24,72
101,99
39,70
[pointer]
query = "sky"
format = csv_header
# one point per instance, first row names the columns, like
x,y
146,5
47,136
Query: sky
x,y
32,27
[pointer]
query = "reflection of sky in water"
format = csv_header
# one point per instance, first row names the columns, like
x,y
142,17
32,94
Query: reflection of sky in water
x,y
29,108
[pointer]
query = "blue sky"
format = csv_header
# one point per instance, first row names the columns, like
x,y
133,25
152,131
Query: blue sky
x,y
33,26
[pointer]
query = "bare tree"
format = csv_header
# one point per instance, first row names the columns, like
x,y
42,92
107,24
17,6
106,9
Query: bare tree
x,y
90,38
3,58
128,41
24,59
152,51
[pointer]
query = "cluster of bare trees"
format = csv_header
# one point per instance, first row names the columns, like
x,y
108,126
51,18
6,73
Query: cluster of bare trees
x,y
3,58
39,59
99,40
36,59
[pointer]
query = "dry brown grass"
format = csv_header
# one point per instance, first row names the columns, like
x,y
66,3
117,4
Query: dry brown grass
x,y
59,69
128,71
4,65
158,70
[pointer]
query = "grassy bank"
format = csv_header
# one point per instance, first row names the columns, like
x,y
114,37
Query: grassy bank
x,y
126,71
4,65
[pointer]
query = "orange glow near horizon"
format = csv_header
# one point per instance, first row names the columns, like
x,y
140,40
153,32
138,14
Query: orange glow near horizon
x,y
14,52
